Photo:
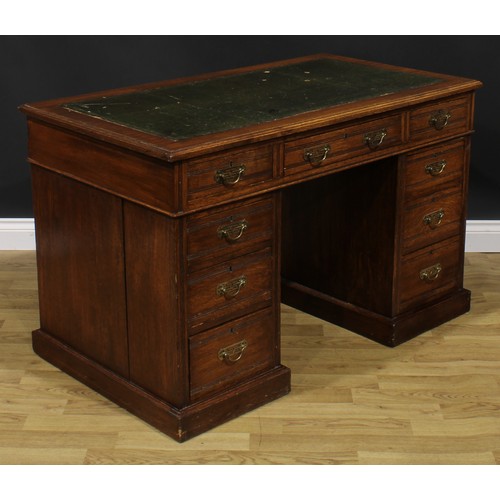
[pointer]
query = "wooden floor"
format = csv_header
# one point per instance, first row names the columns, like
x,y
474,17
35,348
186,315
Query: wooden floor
x,y
433,400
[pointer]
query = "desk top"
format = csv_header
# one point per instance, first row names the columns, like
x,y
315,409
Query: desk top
x,y
229,102
180,118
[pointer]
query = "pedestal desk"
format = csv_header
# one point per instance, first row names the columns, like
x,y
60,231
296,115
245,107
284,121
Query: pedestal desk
x,y
173,218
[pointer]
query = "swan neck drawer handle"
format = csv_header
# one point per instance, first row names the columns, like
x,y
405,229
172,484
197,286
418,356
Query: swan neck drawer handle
x,y
232,353
439,119
430,273
231,175
316,156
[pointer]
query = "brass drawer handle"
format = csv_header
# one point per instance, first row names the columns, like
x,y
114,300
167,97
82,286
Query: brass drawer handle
x,y
434,218
315,156
232,231
230,289
430,273
232,353
374,139
439,119
435,168
231,175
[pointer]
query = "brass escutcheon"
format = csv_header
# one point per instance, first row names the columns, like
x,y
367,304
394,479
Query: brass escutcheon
x,y
231,175
434,218
439,119
315,156
230,289
374,139
232,231
232,353
435,168
430,273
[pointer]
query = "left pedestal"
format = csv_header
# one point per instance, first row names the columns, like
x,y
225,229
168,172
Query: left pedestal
x,y
117,302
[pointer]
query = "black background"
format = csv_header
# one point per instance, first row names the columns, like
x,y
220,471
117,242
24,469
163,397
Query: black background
x,y
44,67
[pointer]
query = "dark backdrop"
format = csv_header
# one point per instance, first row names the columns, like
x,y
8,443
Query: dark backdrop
x,y
44,67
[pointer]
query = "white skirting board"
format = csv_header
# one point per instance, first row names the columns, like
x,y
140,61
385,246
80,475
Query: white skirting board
x,y
481,235
17,234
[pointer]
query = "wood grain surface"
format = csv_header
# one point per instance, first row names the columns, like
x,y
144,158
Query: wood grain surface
x,y
432,400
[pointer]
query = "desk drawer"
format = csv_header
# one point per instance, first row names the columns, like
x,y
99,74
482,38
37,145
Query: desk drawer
x,y
342,144
223,233
231,353
430,273
435,219
224,176
228,290
440,119
433,169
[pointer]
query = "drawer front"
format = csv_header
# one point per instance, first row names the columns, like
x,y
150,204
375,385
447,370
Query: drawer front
x,y
435,169
230,353
342,144
440,119
227,175
222,234
435,219
229,290
430,273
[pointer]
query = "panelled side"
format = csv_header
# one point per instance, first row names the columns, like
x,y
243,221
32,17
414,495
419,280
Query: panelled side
x,y
80,268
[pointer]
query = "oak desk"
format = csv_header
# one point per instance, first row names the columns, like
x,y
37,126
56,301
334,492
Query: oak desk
x,y
173,218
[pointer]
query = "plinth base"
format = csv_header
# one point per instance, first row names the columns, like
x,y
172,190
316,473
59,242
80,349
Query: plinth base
x,y
178,423
382,329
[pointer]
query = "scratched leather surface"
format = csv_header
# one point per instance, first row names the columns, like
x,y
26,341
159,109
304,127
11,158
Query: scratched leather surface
x,y
224,103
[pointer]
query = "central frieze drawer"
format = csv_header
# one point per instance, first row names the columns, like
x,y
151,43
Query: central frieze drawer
x,y
232,352
343,144
229,290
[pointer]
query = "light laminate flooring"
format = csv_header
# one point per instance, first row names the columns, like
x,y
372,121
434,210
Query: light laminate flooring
x,y
432,400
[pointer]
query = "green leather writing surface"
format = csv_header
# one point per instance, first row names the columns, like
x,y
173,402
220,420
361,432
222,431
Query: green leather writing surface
x,y
229,102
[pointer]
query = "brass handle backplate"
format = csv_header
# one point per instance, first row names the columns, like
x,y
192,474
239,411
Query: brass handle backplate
x,y
439,119
430,273
374,139
316,156
232,353
435,168
434,218
232,231
230,289
231,175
